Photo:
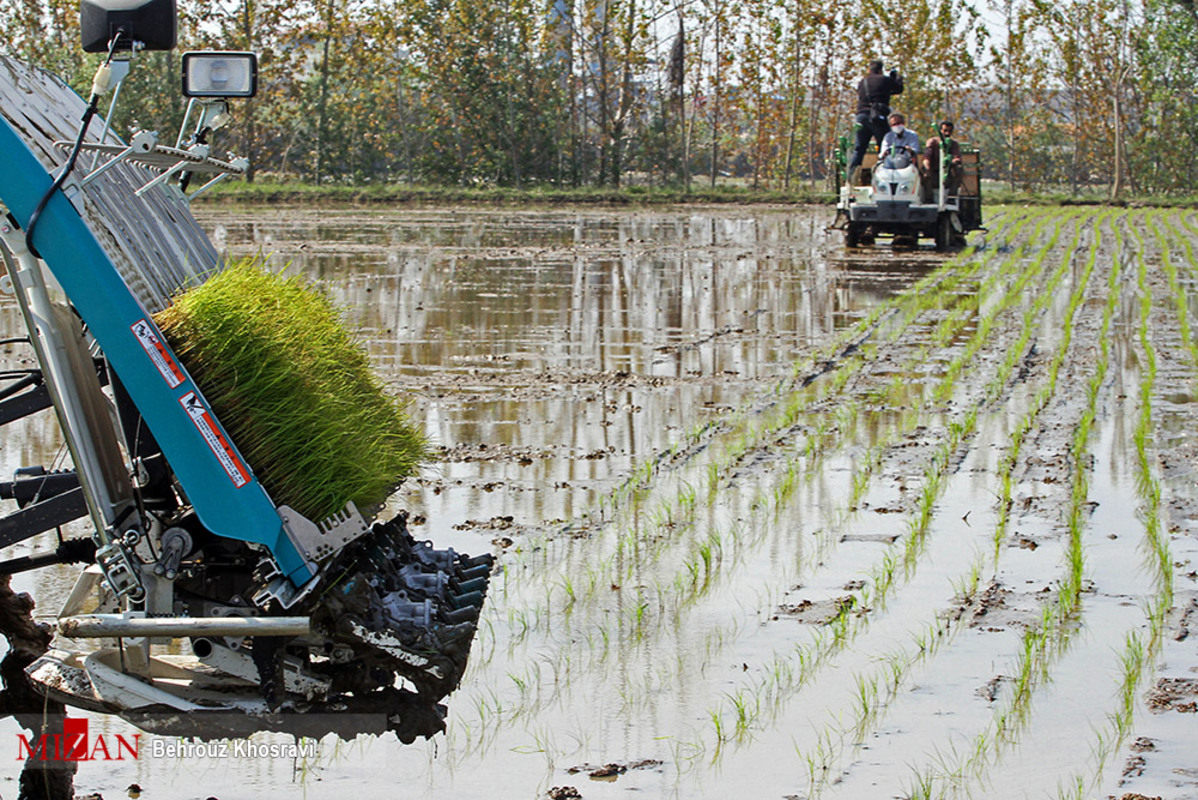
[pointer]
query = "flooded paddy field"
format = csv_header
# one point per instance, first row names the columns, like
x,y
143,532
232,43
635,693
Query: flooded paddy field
x,y
774,519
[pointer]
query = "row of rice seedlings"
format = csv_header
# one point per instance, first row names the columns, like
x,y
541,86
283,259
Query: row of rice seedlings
x,y
878,685
1027,422
691,584
1014,353
1135,656
925,781
817,439
707,553
1147,484
953,283
697,575
957,431
1139,651
875,690
872,458
1010,295
1080,489
947,330
848,412
1041,643
845,625
922,296
964,427
1179,293
940,629
926,294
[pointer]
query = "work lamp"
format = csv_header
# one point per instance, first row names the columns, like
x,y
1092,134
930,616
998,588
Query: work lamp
x,y
220,74
149,23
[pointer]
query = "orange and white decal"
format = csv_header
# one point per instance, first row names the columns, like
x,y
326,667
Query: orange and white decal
x,y
158,353
224,452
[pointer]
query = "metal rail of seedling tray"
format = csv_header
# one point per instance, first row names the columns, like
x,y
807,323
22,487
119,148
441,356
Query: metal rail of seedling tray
x,y
144,149
119,253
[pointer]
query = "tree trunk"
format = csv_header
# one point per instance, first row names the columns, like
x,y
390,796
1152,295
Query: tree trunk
x,y
248,148
793,122
715,102
1117,178
322,109
626,97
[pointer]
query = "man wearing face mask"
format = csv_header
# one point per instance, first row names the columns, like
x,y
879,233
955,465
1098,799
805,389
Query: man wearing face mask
x,y
900,137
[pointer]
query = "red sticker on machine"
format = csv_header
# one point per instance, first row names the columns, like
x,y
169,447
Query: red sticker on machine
x,y
158,353
216,440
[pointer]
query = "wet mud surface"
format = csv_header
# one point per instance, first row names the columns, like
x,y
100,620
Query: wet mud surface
x,y
775,519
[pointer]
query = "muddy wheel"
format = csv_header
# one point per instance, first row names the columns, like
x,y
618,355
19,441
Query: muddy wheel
x,y
852,235
944,232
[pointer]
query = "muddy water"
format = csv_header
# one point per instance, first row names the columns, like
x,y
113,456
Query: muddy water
x,y
549,352
774,519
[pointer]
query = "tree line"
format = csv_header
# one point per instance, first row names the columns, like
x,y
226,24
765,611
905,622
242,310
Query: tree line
x,y
1075,94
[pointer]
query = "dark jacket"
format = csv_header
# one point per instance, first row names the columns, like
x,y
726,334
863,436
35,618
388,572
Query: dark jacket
x,y
932,151
874,93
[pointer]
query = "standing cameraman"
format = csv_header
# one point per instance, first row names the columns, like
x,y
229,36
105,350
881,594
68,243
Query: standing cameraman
x,y
873,107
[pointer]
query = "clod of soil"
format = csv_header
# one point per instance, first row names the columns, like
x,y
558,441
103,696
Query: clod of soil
x,y
611,771
1174,694
502,523
1134,767
564,793
817,612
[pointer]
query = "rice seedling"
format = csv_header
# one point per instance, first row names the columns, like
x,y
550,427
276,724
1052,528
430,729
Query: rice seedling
x,y
1139,651
753,438
921,787
293,389
1146,482
1042,643
841,625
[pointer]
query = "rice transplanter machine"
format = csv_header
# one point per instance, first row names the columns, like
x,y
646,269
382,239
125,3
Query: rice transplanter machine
x,y
282,616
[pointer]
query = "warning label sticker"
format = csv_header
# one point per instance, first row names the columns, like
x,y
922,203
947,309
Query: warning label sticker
x,y
216,440
158,353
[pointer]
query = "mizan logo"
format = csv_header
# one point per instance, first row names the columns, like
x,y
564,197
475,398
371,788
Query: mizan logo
x,y
74,744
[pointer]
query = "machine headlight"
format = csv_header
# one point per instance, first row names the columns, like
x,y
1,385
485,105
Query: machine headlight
x,y
220,74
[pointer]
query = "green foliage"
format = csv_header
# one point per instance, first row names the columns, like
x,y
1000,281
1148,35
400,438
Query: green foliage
x,y
293,389
1075,97
1166,52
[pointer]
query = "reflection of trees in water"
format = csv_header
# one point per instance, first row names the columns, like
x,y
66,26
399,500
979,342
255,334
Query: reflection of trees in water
x,y
666,294
715,292
600,332
491,302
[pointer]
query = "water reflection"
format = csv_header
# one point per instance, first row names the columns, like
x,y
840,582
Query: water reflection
x,y
570,343
547,353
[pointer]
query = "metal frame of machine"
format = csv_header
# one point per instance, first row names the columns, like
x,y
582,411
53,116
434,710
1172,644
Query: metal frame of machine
x,y
282,613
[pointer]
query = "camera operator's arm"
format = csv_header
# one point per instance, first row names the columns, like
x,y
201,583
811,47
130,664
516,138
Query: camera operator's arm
x,y
896,82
